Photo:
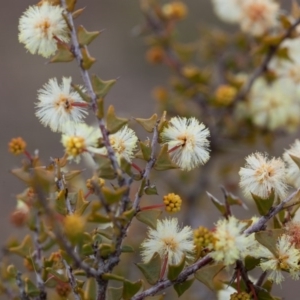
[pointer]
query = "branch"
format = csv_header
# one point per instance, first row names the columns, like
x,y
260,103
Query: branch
x,y
163,284
72,280
88,85
20,284
264,65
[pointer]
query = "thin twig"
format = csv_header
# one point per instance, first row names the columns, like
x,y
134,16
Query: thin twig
x,y
20,284
72,280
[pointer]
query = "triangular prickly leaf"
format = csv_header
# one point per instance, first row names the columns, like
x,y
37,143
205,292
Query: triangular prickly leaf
x,y
63,54
71,5
127,249
114,293
235,200
163,161
148,124
149,217
264,292
128,214
100,108
96,217
81,203
60,203
107,232
86,37
113,196
114,123
180,288
296,159
264,205
105,250
82,94
146,150
208,273
151,190
26,247
151,269
31,289
251,262
111,276
268,238
60,276
220,206
87,59
102,87
72,174
131,288
105,170
87,249
78,12
174,270
90,289
22,175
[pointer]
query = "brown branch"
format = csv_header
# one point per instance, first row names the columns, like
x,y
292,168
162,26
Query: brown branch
x,y
72,280
264,65
20,284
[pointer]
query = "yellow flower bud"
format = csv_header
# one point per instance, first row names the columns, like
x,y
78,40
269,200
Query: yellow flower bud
x,y
176,10
172,203
73,226
17,146
155,55
91,182
225,94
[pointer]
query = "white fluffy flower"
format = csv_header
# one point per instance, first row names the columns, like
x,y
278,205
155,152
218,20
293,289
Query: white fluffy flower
x,y
261,175
286,258
292,169
228,10
124,143
79,139
229,241
187,142
59,104
273,105
40,26
168,240
258,16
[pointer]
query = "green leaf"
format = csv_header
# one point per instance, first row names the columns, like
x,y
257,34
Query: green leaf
x,y
131,288
268,238
251,262
208,273
114,123
113,196
105,250
235,200
180,288
78,12
63,54
174,270
81,203
30,288
62,277
105,170
96,217
101,87
87,59
22,175
60,203
220,206
25,248
151,190
87,249
164,161
90,290
148,124
71,5
86,37
146,150
110,276
149,217
151,269
264,293
159,297
264,205
296,160
127,249
114,293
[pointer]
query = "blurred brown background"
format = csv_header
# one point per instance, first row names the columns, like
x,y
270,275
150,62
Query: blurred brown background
x,y
119,55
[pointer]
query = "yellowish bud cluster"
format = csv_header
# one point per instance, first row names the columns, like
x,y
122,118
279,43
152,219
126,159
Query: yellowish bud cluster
x,y
190,71
160,93
155,55
203,237
63,289
17,146
225,94
176,10
240,296
172,203
91,182
73,226
75,145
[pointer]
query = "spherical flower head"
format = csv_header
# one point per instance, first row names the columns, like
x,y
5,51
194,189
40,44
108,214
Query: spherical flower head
x,y
59,104
203,238
40,27
292,169
261,175
73,226
229,10
175,10
155,55
292,229
168,240
94,181
229,241
187,142
17,146
172,202
80,138
271,105
258,16
286,258
225,94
